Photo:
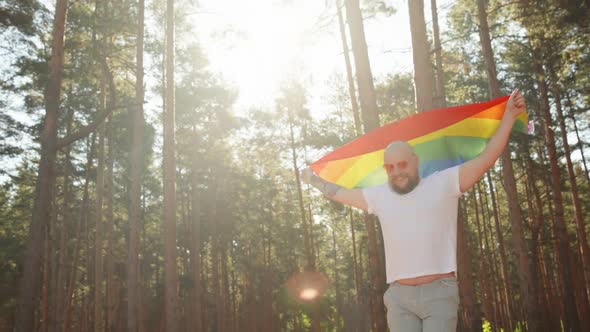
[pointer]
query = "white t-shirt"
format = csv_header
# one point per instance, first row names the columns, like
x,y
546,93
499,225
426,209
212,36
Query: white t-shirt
x,y
420,227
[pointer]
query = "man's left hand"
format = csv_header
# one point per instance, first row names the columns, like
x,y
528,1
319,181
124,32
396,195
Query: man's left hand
x,y
516,105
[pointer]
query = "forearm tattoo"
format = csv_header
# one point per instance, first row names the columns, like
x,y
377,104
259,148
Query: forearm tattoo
x,y
327,188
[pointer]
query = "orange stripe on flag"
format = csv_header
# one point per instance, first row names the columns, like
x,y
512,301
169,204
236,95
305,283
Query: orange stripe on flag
x,y
332,171
496,112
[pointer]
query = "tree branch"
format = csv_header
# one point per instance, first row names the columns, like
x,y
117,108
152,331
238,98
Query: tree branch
x,y
100,117
86,130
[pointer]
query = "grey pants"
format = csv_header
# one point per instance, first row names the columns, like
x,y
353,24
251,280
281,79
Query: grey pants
x,y
425,308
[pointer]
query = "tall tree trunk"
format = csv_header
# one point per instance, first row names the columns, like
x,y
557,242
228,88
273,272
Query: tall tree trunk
x,y
31,281
98,235
440,95
370,119
170,268
503,257
109,232
310,261
349,77
580,289
364,76
464,267
225,287
82,220
537,221
196,245
143,304
527,288
135,177
54,233
357,277
580,143
579,213
572,322
423,74
484,270
500,305
61,296
87,315
215,257
269,280
558,302
45,296
306,222
339,307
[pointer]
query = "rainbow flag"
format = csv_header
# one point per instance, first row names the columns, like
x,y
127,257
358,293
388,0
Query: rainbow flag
x,y
442,138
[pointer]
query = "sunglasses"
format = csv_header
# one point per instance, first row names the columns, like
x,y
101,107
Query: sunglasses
x,y
400,165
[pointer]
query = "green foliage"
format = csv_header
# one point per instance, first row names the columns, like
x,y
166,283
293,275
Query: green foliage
x,y
16,203
395,97
19,15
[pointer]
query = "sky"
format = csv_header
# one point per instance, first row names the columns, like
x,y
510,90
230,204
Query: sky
x,y
265,42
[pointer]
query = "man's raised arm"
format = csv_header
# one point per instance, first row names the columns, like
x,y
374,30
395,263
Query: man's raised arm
x,y
471,171
352,197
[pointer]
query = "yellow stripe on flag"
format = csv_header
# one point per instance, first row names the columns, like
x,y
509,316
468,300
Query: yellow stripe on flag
x,y
357,171
472,127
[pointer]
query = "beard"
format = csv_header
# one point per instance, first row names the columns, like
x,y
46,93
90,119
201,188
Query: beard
x,y
412,183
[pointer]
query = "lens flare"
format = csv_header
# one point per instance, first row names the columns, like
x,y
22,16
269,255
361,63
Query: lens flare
x,y
307,286
308,294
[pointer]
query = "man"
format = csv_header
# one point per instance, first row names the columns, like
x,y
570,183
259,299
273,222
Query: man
x,y
419,222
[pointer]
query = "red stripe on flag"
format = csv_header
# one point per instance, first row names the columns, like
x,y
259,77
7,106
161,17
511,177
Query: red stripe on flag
x,y
406,129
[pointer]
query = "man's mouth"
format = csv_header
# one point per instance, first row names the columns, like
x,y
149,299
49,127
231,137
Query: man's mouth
x,y
400,178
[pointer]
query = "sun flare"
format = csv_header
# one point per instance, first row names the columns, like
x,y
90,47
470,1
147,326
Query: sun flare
x,y
269,42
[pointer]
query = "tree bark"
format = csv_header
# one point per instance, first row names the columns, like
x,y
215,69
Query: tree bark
x,y
527,289
339,307
306,222
558,301
31,281
503,257
357,277
572,322
580,143
440,95
135,178
349,77
45,296
225,287
484,270
170,267
82,220
196,244
98,235
537,221
310,261
109,231
500,305
61,295
579,213
370,119
423,73
464,273
364,76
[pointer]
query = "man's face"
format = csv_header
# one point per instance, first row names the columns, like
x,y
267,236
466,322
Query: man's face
x,y
401,166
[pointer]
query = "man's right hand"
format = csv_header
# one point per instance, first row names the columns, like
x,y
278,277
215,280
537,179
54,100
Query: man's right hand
x,y
353,197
